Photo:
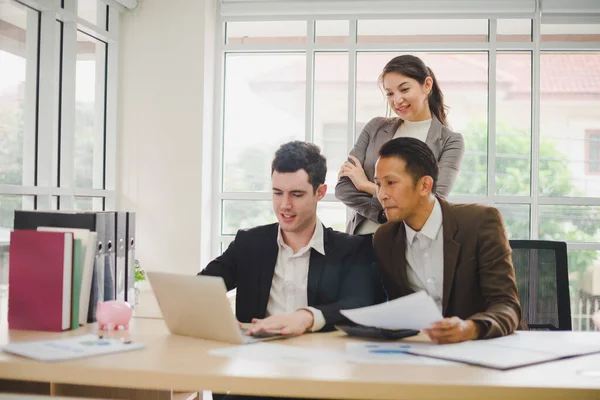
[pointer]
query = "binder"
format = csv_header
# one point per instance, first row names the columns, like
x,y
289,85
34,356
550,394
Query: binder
x,y
121,243
130,259
96,222
110,289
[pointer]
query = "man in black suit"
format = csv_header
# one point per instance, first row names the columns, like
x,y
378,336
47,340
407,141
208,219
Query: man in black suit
x,y
296,275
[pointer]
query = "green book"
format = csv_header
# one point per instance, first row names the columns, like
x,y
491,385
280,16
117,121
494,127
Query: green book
x,y
78,259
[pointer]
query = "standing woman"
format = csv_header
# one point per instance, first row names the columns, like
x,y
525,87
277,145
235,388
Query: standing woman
x,y
414,95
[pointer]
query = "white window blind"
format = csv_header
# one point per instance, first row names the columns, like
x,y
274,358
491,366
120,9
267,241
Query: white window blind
x,y
570,7
377,8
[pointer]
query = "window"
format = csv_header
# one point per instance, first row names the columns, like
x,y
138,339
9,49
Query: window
x,y
89,112
592,143
569,105
18,107
534,154
53,80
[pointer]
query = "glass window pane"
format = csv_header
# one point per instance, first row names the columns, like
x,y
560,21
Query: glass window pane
x,y
332,215
422,30
89,112
243,214
513,124
513,30
592,138
463,78
8,205
570,32
569,223
331,111
332,31
224,246
516,220
266,32
264,108
82,203
584,286
18,60
59,32
569,107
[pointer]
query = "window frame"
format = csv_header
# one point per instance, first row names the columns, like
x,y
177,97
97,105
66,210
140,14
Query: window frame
x,y
536,47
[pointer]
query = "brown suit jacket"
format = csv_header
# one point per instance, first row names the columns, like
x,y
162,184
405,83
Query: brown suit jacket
x,y
479,277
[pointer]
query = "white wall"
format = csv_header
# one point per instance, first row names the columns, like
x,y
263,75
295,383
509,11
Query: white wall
x,y
164,136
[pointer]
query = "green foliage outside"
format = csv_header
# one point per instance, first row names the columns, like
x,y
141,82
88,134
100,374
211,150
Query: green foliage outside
x,y
513,147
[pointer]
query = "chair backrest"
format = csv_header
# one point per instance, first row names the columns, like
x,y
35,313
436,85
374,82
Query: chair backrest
x,y
541,269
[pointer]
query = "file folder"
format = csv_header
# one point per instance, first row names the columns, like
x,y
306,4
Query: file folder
x,y
110,289
121,243
130,259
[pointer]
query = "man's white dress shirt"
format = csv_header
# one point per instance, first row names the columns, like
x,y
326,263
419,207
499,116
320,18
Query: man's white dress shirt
x,y
289,286
425,256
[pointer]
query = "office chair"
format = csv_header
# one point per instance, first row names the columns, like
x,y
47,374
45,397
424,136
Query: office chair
x,y
541,269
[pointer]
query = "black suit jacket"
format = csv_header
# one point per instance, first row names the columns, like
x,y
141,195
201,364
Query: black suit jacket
x,y
344,278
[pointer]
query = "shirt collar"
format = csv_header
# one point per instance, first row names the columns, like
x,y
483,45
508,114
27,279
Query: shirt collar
x,y
432,225
316,242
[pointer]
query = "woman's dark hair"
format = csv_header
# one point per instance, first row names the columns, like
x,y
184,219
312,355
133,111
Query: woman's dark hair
x,y
297,155
418,157
415,68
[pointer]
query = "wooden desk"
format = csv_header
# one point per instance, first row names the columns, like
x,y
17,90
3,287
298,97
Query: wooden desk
x,y
8,396
181,363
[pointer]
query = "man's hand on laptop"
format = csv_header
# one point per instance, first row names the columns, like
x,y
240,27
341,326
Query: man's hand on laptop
x,y
295,323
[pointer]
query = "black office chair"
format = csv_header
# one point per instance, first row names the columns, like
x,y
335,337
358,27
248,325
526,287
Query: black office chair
x,y
541,269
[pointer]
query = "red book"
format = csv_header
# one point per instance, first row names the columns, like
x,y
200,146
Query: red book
x,y
39,280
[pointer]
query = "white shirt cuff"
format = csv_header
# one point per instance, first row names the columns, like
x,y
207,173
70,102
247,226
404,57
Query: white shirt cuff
x,y
318,319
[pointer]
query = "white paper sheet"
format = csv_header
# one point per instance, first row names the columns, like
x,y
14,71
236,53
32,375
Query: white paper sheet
x,y
69,348
415,311
388,353
516,350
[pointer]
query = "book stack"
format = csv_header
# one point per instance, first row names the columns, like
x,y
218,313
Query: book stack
x,y
62,264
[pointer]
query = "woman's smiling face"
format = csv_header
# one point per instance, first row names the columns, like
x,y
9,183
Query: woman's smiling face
x,y
407,97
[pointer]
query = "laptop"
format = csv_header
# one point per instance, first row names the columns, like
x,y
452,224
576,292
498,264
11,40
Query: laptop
x,y
197,306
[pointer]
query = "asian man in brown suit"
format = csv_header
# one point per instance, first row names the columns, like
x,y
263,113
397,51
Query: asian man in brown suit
x,y
458,253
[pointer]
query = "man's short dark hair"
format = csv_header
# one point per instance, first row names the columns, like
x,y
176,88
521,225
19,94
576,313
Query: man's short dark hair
x,y
419,158
297,155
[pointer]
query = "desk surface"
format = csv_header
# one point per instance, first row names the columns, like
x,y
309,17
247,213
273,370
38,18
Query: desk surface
x,y
182,363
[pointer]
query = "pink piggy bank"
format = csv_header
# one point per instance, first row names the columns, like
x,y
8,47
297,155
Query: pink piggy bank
x,y
111,314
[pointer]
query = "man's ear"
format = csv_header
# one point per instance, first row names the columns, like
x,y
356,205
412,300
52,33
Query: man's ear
x,y
426,185
321,191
